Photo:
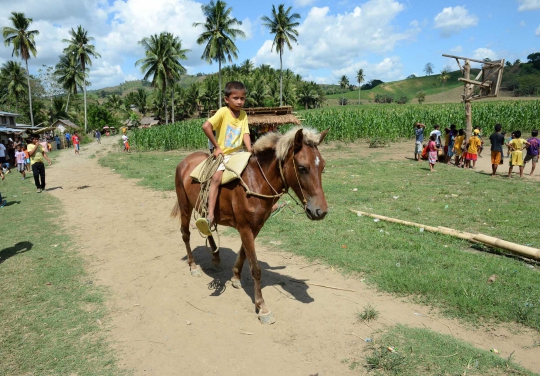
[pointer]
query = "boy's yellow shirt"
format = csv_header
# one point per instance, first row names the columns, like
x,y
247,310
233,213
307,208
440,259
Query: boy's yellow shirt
x,y
229,130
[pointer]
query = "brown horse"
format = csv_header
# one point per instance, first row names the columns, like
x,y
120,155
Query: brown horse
x,y
278,162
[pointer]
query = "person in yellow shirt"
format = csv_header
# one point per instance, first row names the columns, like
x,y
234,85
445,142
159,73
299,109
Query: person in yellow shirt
x,y
232,131
517,145
473,146
457,149
37,153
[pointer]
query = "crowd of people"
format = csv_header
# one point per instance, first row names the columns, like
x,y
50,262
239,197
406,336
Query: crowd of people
x,y
453,147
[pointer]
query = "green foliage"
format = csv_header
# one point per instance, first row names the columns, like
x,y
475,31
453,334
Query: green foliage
x,y
183,135
99,116
393,122
369,313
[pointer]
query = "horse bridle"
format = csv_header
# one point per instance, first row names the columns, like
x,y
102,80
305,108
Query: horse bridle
x,y
286,188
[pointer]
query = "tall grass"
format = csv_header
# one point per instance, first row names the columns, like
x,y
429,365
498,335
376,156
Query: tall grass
x,y
351,123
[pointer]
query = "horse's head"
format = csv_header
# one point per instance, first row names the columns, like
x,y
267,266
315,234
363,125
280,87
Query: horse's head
x,y
302,169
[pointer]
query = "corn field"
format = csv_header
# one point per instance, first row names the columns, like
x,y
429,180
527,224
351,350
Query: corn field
x,y
351,123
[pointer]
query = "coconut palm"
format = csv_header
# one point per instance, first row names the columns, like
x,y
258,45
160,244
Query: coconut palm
x,y
174,74
23,43
80,47
161,61
219,35
141,101
69,74
343,83
445,75
13,79
247,67
360,78
282,24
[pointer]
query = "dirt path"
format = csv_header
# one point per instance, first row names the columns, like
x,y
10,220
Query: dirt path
x,y
163,321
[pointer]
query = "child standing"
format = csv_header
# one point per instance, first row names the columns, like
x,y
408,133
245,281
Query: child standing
x,y
497,142
126,143
517,145
26,158
21,158
457,149
76,142
532,150
231,126
419,133
473,146
432,151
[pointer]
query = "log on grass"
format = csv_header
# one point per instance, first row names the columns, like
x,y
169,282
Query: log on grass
x,y
522,250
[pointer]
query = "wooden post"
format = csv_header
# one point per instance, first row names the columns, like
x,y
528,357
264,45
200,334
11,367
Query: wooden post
x,y
467,91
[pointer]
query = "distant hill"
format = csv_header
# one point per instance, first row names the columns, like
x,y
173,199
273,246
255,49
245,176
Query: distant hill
x,y
128,86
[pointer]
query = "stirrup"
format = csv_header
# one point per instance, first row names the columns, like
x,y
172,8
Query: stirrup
x,y
203,226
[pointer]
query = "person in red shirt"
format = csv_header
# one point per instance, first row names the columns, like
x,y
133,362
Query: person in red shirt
x,y
75,141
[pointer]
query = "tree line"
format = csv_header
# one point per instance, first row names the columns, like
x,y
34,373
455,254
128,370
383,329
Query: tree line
x,y
53,93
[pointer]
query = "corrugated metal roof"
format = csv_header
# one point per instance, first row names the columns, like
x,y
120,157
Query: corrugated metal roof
x,y
3,113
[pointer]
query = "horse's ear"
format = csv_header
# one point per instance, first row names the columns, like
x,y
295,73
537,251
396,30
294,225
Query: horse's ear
x,y
298,140
323,135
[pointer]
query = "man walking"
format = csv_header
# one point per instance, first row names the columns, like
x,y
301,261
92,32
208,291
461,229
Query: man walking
x,y
37,154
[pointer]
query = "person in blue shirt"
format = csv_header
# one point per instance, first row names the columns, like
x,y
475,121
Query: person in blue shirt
x,y
419,133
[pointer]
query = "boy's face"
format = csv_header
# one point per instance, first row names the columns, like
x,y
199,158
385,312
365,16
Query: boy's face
x,y
236,99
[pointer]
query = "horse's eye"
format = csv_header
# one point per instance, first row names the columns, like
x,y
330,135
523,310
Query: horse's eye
x,y
302,170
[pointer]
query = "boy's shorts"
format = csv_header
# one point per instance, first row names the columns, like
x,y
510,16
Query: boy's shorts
x,y
530,157
496,157
20,167
418,147
77,146
27,160
226,159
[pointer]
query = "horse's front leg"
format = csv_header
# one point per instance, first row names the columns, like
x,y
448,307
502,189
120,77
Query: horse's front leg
x,y
248,243
237,269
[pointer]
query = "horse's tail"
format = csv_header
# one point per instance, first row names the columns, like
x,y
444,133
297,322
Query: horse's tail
x,y
175,212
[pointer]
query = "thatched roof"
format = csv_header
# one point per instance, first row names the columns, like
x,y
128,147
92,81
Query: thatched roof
x,y
149,121
263,116
66,123
261,120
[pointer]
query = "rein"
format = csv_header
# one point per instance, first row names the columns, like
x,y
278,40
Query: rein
x,y
249,192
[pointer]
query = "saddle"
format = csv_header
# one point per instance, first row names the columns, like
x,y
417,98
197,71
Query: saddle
x,y
234,168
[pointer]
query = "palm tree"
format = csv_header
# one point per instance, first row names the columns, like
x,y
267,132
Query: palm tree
x,y
219,35
141,101
23,45
162,52
343,83
13,78
80,47
69,74
247,67
360,78
445,75
282,24
178,69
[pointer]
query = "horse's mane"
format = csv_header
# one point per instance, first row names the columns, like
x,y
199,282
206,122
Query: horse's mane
x,y
281,143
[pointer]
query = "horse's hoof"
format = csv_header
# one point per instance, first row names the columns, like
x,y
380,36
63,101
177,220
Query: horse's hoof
x,y
236,283
267,319
196,273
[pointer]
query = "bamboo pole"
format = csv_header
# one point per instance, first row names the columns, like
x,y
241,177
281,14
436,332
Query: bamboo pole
x,y
522,250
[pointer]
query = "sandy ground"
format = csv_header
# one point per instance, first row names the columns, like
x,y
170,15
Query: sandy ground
x,y
163,321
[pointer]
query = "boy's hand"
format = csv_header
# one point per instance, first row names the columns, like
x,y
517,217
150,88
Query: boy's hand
x,y
217,151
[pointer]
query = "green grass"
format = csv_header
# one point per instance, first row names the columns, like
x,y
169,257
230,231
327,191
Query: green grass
x,y
49,307
369,313
409,352
434,269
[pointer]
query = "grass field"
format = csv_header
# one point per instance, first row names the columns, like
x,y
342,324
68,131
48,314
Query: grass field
x,y
50,309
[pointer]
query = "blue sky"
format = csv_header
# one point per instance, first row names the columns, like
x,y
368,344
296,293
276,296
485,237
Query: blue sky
x,y
389,39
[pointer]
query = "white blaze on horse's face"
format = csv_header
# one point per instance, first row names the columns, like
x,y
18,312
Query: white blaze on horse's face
x,y
317,161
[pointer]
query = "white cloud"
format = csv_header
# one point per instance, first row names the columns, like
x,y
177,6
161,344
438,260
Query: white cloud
x,y
482,53
537,32
337,41
457,49
528,5
453,20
